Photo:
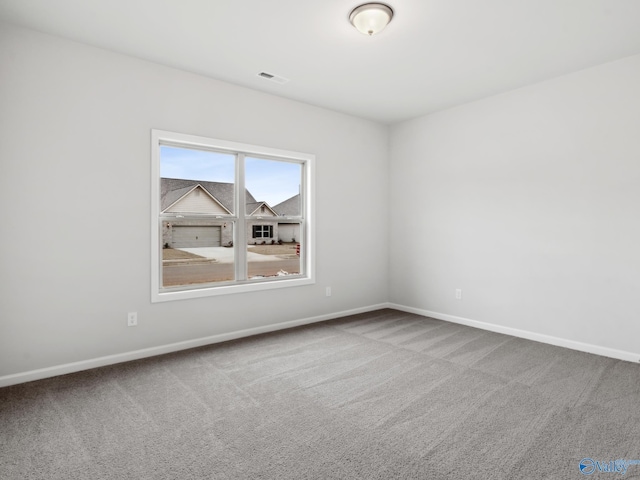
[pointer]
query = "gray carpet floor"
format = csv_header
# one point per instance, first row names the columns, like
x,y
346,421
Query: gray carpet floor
x,y
382,395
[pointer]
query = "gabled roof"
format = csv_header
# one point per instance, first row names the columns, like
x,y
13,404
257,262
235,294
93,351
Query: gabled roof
x,y
173,196
183,193
290,207
172,189
252,208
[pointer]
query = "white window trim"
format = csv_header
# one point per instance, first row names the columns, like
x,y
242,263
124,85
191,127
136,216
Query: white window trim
x,y
307,260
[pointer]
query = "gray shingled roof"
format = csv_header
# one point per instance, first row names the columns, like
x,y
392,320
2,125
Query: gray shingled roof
x,y
290,207
171,189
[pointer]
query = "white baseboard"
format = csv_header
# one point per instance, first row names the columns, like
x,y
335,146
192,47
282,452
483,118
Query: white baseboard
x,y
538,337
66,368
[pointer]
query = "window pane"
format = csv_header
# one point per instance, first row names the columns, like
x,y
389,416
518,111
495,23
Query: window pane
x,y
196,181
197,252
273,194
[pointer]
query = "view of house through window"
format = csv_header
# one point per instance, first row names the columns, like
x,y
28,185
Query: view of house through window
x,y
228,217
274,187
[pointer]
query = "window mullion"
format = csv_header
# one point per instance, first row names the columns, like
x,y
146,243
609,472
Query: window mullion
x,y
240,242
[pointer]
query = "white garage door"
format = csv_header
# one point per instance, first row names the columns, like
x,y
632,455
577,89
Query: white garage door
x,y
288,231
193,237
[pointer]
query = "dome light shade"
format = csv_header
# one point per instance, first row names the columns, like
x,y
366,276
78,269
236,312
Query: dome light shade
x,y
371,18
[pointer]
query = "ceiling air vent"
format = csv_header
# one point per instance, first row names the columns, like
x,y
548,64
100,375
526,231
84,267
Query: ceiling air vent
x,y
273,78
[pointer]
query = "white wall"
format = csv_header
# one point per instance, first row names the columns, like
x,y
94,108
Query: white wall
x,y
529,202
75,125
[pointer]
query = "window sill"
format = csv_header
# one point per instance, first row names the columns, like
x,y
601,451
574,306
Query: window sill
x,y
209,291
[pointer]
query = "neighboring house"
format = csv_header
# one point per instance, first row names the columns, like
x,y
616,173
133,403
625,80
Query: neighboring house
x,y
194,197
265,227
289,232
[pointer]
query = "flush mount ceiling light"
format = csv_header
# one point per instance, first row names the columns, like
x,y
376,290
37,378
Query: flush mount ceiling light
x,y
371,18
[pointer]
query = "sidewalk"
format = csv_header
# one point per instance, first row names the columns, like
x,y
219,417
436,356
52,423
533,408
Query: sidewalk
x,y
225,255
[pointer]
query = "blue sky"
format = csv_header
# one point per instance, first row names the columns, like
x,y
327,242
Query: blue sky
x,y
267,180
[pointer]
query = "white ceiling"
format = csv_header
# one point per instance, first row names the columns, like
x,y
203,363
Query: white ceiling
x,y
433,55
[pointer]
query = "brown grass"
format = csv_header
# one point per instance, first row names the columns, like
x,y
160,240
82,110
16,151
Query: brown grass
x,y
171,254
284,249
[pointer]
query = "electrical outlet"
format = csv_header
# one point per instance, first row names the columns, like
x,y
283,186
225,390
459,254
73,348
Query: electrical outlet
x,y
458,293
132,319
328,291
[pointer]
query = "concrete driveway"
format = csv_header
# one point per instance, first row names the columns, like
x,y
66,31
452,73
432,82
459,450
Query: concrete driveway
x,y
225,255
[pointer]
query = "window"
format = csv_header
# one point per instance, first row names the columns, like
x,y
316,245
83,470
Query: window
x,y
228,217
262,231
